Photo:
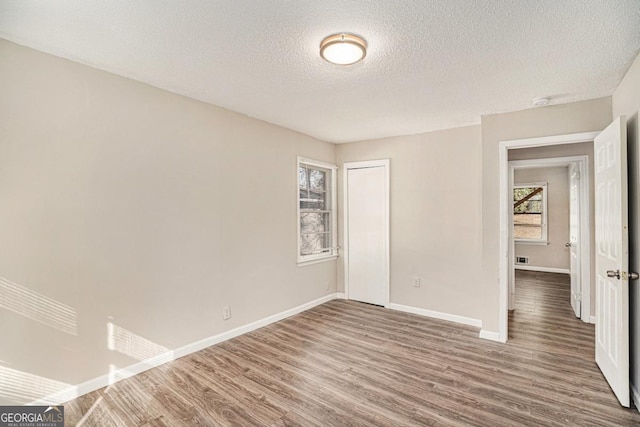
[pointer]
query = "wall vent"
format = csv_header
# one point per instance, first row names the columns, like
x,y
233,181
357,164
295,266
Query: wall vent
x,y
522,260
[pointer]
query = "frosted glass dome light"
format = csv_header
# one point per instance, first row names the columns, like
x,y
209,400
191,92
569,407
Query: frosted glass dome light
x,y
343,49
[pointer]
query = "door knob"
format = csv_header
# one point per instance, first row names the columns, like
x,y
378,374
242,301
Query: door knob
x,y
568,245
633,276
611,273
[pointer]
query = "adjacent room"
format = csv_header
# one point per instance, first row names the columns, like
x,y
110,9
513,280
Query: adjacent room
x,y
320,213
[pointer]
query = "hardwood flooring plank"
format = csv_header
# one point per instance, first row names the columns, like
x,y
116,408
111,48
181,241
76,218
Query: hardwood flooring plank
x,y
346,363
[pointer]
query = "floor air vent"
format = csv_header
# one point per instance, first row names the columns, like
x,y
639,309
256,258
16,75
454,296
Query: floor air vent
x,y
522,260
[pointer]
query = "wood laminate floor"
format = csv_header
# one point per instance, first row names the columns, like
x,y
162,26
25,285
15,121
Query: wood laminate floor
x,y
350,364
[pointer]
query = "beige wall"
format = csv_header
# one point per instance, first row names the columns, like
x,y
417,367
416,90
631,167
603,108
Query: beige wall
x,y
592,115
569,150
626,101
555,254
125,203
435,217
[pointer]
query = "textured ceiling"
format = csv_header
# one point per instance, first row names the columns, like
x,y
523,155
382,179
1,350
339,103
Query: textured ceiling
x,y
430,64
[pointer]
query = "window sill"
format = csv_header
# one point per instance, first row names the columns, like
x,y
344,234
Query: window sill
x,y
317,260
532,242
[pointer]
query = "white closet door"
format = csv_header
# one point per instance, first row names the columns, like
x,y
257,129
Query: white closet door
x,y
367,225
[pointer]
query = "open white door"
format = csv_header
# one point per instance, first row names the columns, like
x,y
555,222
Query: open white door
x,y
612,258
574,238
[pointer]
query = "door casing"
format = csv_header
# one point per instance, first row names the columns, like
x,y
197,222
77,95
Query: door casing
x,y
504,209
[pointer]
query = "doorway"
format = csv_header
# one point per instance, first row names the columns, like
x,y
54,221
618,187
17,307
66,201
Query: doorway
x,y
366,220
505,245
611,240
554,234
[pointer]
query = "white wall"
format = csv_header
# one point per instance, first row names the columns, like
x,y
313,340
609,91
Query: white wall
x,y
121,202
554,255
626,101
435,217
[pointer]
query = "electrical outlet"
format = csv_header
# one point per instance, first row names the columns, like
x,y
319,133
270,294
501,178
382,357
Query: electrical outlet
x,y
417,281
226,312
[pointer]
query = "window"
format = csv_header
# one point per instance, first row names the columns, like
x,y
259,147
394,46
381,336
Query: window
x,y
530,212
316,211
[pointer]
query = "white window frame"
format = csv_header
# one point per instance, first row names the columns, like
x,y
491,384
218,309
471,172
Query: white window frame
x,y
333,250
545,226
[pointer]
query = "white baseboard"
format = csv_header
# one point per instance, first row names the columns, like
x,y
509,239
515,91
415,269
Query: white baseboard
x,y
120,374
543,269
592,319
635,397
341,295
437,315
491,336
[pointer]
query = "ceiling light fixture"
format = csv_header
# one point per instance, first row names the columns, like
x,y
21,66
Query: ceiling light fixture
x,y
343,49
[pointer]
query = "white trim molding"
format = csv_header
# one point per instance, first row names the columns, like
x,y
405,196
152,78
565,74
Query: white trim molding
x,y
436,315
317,261
592,320
122,373
571,138
491,336
505,246
532,242
543,269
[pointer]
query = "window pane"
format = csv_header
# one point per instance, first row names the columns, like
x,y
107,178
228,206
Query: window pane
x,y
317,179
313,188
526,232
527,215
302,177
311,222
532,205
521,192
316,210
314,243
527,219
313,200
